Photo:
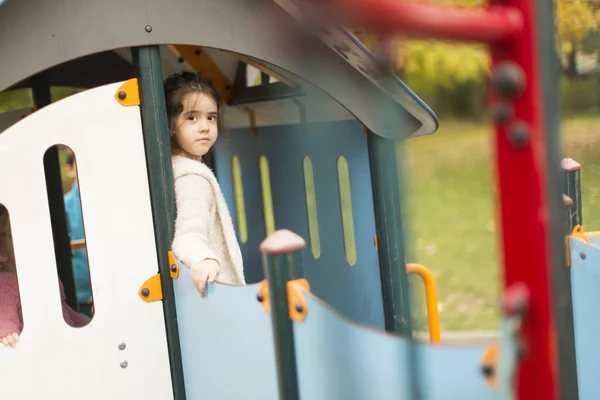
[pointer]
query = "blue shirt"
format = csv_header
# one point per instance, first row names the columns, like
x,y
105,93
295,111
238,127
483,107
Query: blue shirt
x,y
79,257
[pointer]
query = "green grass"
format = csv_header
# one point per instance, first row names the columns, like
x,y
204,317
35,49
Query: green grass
x,y
453,221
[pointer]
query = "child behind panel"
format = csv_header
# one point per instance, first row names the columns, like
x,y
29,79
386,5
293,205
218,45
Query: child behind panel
x,y
205,239
11,317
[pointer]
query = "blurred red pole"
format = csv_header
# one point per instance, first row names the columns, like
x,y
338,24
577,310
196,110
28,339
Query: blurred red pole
x,y
399,17
520,148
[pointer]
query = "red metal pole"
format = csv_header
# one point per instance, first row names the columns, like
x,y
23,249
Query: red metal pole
x,y
411,19
524,208
520,151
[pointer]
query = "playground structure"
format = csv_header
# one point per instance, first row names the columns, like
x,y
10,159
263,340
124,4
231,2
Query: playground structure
x,y
326,314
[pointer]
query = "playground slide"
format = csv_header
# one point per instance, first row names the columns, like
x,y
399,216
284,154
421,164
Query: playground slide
x,y
228,352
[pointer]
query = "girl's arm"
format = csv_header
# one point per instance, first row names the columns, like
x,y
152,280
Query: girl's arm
x,y
195,204
10,306
72,317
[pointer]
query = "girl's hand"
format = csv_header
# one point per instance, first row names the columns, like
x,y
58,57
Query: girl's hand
x,y
10,340
205,271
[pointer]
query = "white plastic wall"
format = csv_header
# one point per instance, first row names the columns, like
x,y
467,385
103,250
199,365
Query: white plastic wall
x,y
52,359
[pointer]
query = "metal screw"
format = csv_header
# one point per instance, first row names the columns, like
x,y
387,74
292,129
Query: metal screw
x,y
122,95
518,134
487,370
503,112
124,364
145,292
148,28
508,79
122,346
582,255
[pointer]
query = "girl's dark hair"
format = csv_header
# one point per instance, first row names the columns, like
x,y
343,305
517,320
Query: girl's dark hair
x,y
179,85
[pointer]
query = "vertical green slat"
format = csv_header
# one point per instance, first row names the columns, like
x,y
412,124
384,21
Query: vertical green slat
x,y
239,199
311,208
267,197
346,211
549,69
279,269
386,176
146,61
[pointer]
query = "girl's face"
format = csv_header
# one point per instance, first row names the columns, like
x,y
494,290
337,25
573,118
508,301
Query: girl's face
x,y
197,128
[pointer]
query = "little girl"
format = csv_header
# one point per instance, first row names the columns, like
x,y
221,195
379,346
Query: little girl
x,y
205,239
11,318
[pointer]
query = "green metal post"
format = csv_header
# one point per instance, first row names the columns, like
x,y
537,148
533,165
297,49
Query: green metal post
x,y
549,68
564,300
387,181
146,61
282,263
573,191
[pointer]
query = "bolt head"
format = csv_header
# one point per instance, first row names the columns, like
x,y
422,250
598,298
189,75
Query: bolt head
x,y
145,292
508,80
519,134
173,268
124,364
503,112
299,307
582,255
122,346
122,95
148,28
259,297
487,370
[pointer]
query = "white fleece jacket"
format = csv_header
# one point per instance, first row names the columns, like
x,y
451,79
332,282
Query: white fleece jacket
x,y
203,226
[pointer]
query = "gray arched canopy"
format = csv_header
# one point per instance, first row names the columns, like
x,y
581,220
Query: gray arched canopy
x,y
36,35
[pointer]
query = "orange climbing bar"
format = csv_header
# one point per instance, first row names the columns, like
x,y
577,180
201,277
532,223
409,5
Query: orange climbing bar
x,y
77,244
433,316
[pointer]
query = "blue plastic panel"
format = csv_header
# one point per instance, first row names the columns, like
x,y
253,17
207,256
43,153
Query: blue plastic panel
x,y
585,284
354,291
594,239
341,360
226,342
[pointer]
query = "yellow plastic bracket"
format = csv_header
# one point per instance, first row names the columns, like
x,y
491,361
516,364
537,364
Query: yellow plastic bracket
x,y
578,233
296,302
151,290
263,295
489,365
173,266
129,93
433,316
298,309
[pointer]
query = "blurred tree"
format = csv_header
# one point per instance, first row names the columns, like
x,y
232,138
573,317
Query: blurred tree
x,y
575,21
431,64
